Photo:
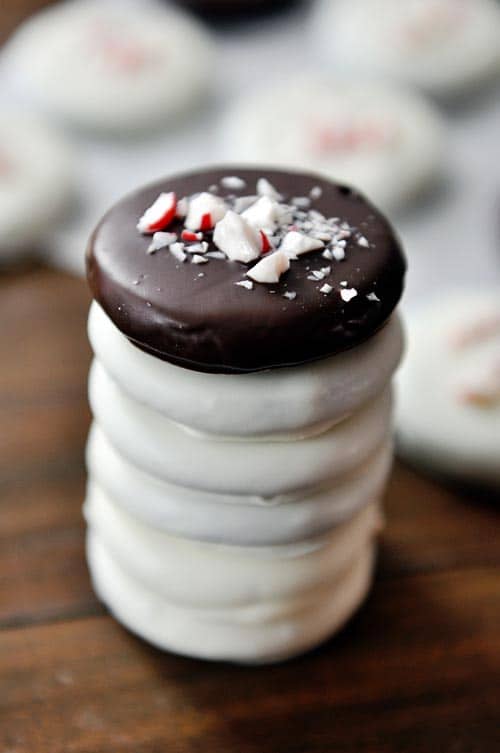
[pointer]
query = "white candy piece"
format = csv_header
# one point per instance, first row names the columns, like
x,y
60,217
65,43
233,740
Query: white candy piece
x,y
233,182
265,188
326,288
161,240
157,213
263,215
270,268
347,294
205,203
177,250
248,284
295,244
197,259
237,238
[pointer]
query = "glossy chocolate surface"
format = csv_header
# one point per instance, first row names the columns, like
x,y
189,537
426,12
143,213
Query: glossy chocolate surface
x,y
208,323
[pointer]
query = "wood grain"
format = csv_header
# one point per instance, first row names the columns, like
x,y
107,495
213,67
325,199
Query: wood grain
x,y
416,671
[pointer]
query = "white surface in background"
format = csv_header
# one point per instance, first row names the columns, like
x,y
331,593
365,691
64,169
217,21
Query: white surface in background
x,y
452,237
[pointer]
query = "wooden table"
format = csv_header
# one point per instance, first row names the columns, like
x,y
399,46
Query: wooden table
x,y
418,669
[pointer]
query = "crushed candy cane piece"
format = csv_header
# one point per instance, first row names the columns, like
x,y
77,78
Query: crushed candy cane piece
x,y
263,215
190,237
161,240
177,250
270,268
347,294
182,207
373,297
362,241
233,183
326,288
216,255
266,244
197,248
290,294
237,238
316,274
302,202
316,192
243,202
205,210
197,259
295,244
327,254
248,284
338,253
265,188
159,215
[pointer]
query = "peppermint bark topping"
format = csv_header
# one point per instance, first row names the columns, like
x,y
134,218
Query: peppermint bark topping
x,y
262,227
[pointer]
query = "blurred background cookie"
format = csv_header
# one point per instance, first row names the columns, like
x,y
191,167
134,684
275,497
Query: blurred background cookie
x,y
36,183
380,139
448,407
109,67
442,46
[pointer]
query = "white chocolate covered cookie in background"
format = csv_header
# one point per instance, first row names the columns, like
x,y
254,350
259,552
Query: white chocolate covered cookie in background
x,y
36,183
448,396
442,46
386,142
110,67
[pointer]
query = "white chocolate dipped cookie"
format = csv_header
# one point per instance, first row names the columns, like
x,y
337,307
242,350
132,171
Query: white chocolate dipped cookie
x,y
386,142
208,575
442,46
264,468
448,406
233,519
270,632
299,401
35,183
110,67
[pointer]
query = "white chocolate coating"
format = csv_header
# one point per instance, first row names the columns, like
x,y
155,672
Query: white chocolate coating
x,y
226,519
386,142
35,182
442,46
298,401
448,406
111,67
213,576
265,468
234,517
271,632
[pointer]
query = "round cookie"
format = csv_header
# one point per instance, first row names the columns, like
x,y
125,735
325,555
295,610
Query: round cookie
x,y
448,406
160,271
272,632
35,183
386,142
442,46
264,468
301,401
109,67
233,519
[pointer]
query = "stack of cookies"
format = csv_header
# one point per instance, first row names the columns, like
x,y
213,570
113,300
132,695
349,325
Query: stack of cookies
x,y
245,341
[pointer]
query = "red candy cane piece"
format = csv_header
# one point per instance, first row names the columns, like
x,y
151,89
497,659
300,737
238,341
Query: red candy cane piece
x,y
206,222
265,243
190,237
159,215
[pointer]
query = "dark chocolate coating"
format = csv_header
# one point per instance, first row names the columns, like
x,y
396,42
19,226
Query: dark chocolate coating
x,y
210,324
229,8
